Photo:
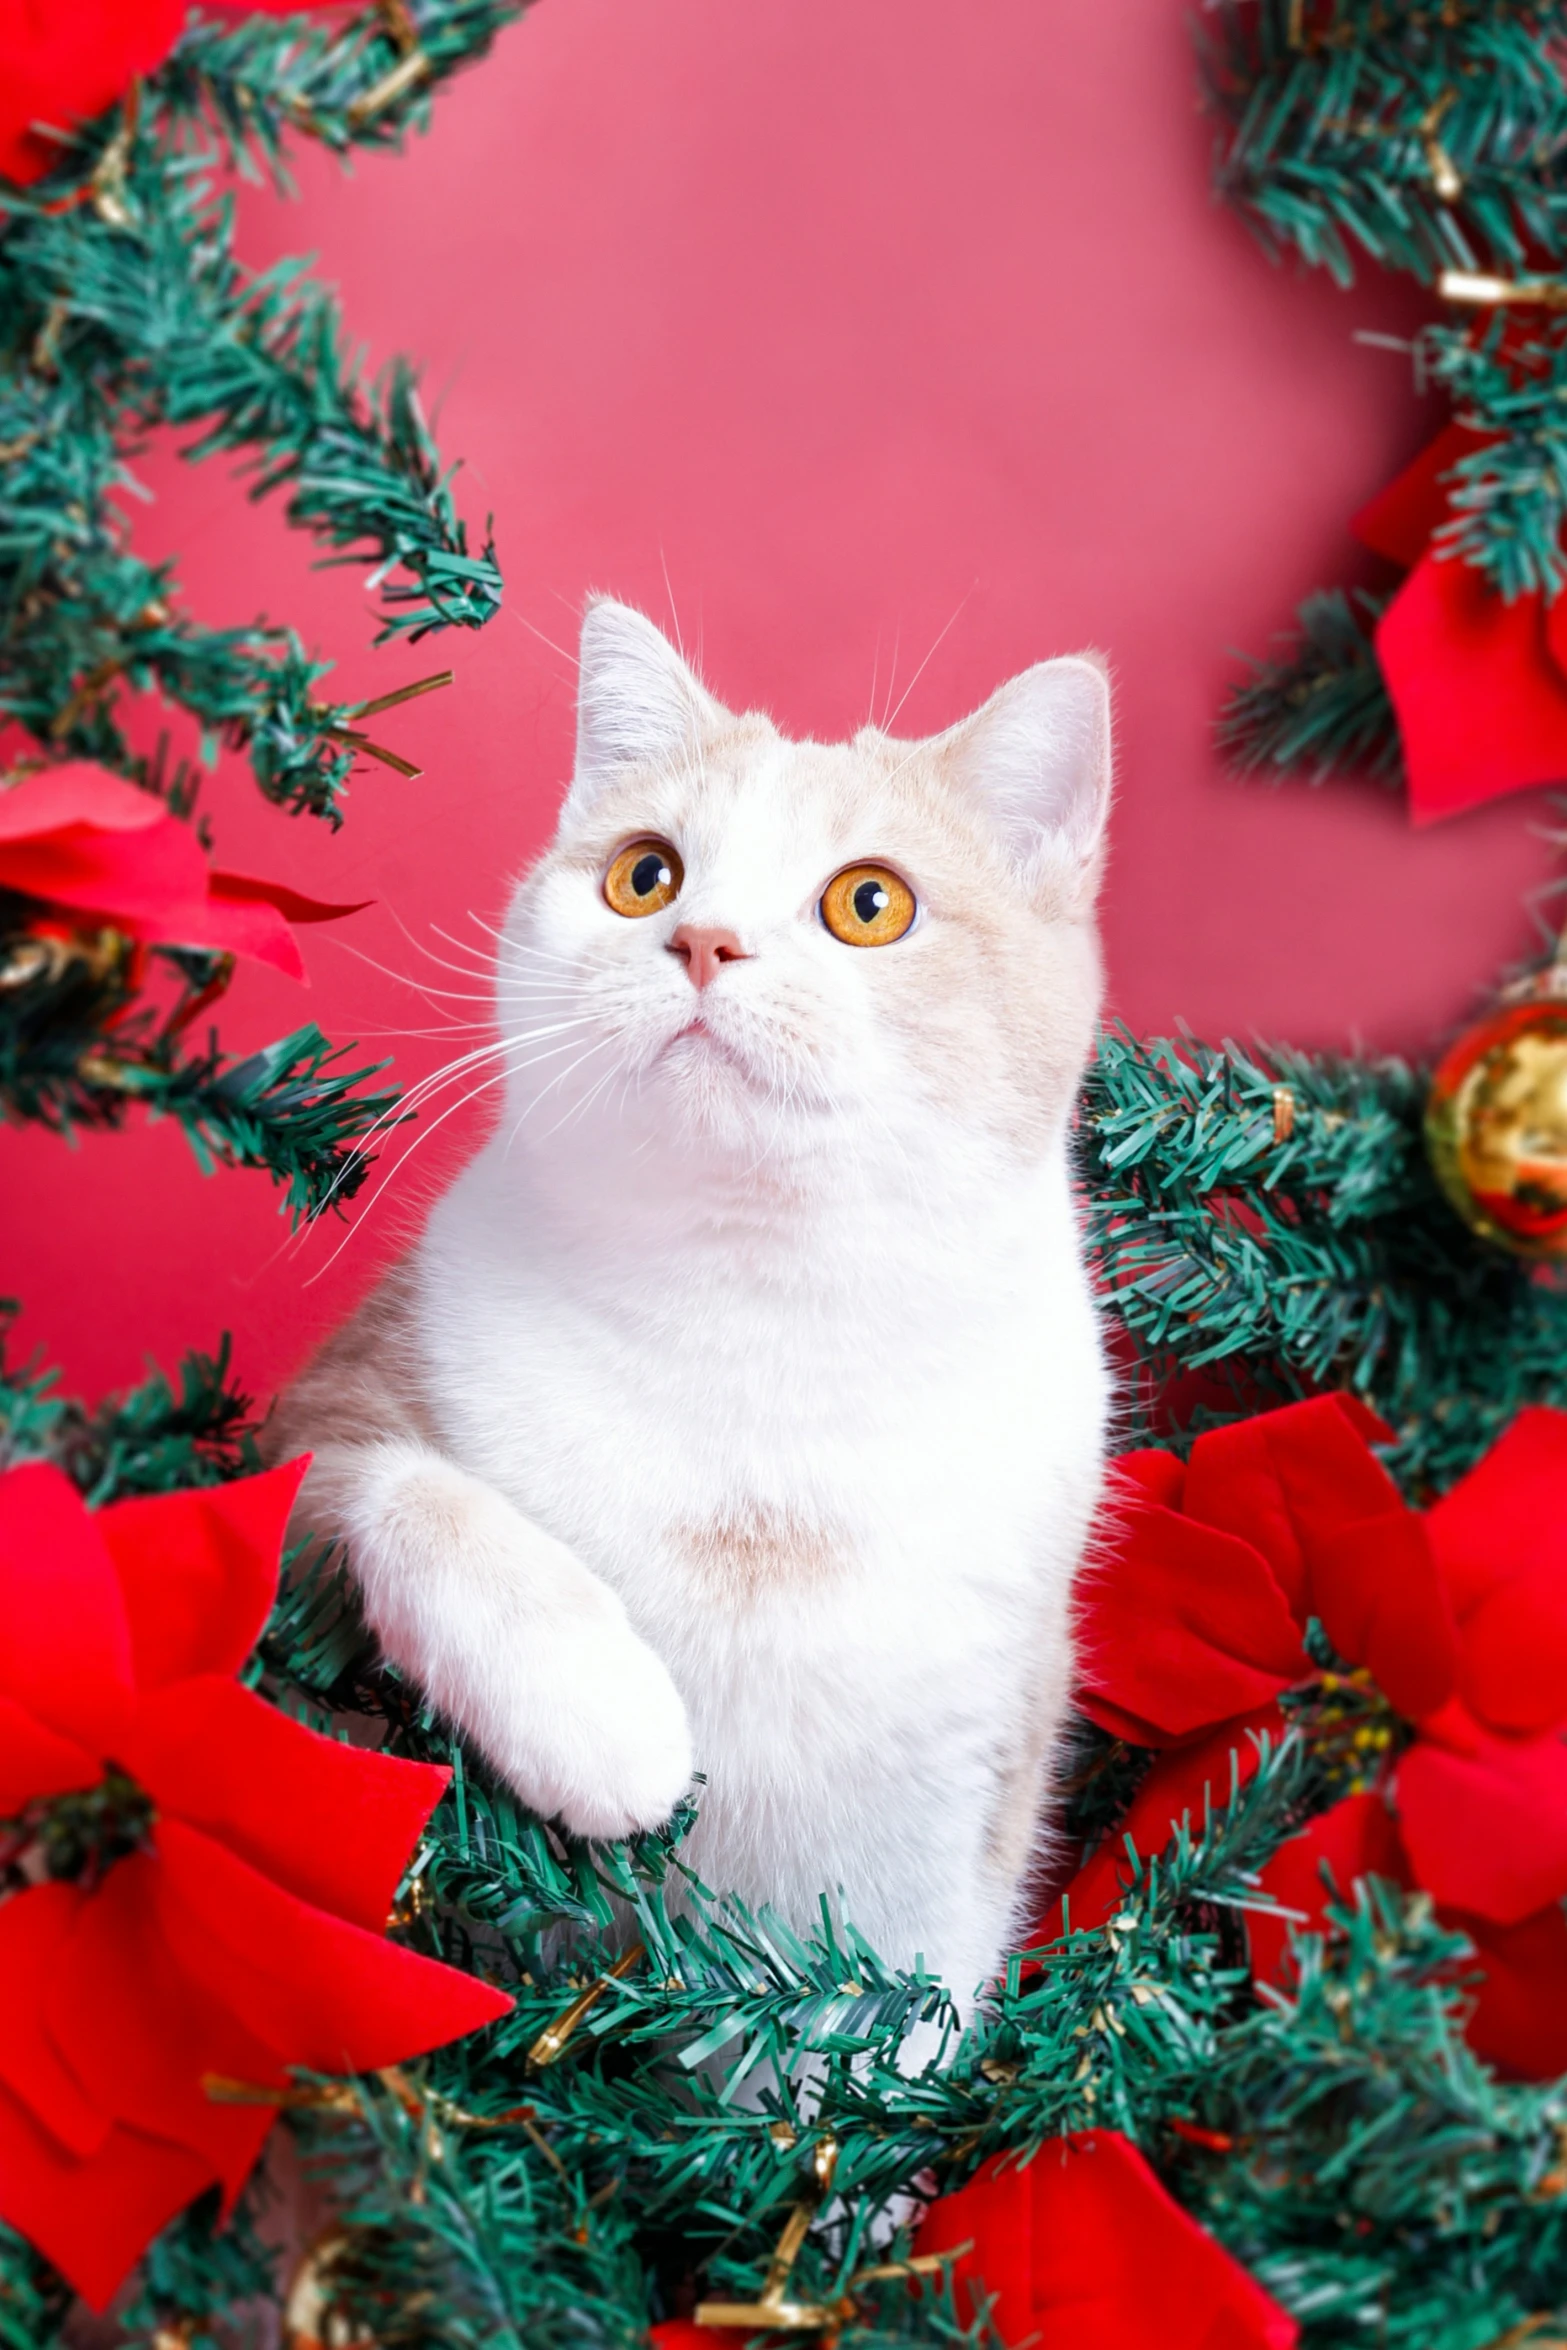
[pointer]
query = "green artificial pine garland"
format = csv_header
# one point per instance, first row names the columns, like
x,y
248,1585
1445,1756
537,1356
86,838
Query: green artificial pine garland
x,y
1323,704
123,307
1428,137
80,1045
1419,134
130,310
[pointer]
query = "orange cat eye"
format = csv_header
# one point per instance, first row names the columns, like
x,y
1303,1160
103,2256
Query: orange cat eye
x,y
643,877
867,906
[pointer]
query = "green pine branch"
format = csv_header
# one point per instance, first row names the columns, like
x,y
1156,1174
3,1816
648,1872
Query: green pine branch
x,y
129,310
35,2301
1323,705
83,620
156,305
1421,135
258,82
1383,2185
289,1109
1309,1252
158,1437
1426,136
79,1049
1509,499
123,309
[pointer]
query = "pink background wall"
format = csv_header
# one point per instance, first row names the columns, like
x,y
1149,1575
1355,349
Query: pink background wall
x,y
889,348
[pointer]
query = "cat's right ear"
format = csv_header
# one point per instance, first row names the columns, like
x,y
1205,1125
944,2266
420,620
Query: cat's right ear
x,y
1038,756
638,704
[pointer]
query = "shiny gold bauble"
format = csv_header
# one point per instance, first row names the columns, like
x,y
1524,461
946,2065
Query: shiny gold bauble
x,y
1496,1121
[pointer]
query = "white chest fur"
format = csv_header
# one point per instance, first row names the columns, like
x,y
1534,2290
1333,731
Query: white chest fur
x,y
838,1466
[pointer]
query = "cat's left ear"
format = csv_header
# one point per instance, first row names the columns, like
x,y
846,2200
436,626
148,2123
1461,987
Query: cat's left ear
x,y
1038,755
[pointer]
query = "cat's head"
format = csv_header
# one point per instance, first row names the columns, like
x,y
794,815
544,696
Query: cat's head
x,y
754,945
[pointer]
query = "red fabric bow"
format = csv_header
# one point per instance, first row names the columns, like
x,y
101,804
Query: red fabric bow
x,y
245,1932
1479,684
1520,2013
90,844
1220,1563
1459,1615
1083,2249
64,61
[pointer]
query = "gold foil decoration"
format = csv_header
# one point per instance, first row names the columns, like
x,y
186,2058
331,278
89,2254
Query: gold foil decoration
x,y
774,2310
352,735
310,2322
1480,287
409,71
1446,178
552,2040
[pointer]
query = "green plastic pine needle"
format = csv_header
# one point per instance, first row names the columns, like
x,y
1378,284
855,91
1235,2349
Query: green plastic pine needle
x,y
1417,134
1322,706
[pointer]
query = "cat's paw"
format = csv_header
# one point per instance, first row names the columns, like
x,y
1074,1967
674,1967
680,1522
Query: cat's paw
x,y
632,1757
513,1638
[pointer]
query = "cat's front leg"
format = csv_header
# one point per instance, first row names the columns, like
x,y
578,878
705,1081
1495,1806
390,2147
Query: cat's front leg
x,y
509,1634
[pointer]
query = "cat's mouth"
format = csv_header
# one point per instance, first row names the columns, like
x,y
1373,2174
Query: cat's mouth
x,y
705,1040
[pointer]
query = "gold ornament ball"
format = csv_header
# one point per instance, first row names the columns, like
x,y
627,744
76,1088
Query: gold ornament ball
x,y
1496,1122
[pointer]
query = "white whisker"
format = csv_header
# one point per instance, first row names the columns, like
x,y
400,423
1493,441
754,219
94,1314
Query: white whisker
x,y
406,1107
487,962
663,564
428,1035
495,1077
558,1079
512,946
421,987
419,1097
892,674
547,641
892,716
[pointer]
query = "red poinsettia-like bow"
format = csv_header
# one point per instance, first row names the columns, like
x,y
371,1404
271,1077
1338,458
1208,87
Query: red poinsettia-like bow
x,y
1457,1614
1478,682
88,844
64,61
229,1871
1082,2249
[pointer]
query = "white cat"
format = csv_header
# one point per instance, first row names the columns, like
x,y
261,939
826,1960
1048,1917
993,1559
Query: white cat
x,y
741,1408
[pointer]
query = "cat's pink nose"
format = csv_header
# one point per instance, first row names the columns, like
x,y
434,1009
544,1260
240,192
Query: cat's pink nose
x,y
705,951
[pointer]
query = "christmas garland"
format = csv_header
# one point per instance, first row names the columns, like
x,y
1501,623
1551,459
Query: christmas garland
x,y
123,307
1219,2098
1427,139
